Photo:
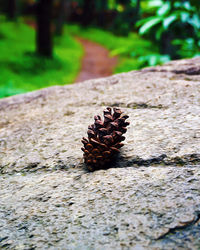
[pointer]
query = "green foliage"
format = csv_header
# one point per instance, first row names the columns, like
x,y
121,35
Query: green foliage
x,y
22,70
8,89
187,47
153,59
167,13
118,16
177,20
128,49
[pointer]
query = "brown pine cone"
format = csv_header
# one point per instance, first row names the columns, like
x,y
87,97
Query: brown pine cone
x,y
104,138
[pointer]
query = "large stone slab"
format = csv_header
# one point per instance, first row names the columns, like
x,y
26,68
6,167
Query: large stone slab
x,y
148,199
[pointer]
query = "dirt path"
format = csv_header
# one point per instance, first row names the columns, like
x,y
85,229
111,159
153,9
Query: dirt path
x,y
96,61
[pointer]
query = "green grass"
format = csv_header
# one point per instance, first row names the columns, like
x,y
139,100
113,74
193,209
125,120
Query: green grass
x,y
22,70
129,49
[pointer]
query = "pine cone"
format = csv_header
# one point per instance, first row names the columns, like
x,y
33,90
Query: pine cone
x,y
104,138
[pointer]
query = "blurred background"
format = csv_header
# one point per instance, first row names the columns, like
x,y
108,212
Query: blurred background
x,y
56,42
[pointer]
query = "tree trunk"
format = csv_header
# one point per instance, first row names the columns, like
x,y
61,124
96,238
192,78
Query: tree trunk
x,y
102,13
63,13
44,34
88,12
138,9
166,46
11,9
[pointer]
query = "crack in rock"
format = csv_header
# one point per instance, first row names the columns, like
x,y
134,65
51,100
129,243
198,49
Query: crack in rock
x,y
141,162
163,159
189,71
134,105
120,162
184,225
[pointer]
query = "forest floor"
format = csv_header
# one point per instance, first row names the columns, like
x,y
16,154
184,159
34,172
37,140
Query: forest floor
x,y
96,61
80,54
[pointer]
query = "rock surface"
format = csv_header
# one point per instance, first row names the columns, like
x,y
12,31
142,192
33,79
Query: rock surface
x,y
150,199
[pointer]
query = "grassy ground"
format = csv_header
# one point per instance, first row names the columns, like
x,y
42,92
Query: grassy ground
x,y
131,50
22,70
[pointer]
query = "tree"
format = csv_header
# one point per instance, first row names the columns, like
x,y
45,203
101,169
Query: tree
x,y
44,34
11,9
88,12
138,8
101,8
63,13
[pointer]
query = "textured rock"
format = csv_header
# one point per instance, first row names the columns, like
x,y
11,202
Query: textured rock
x,y
148,199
